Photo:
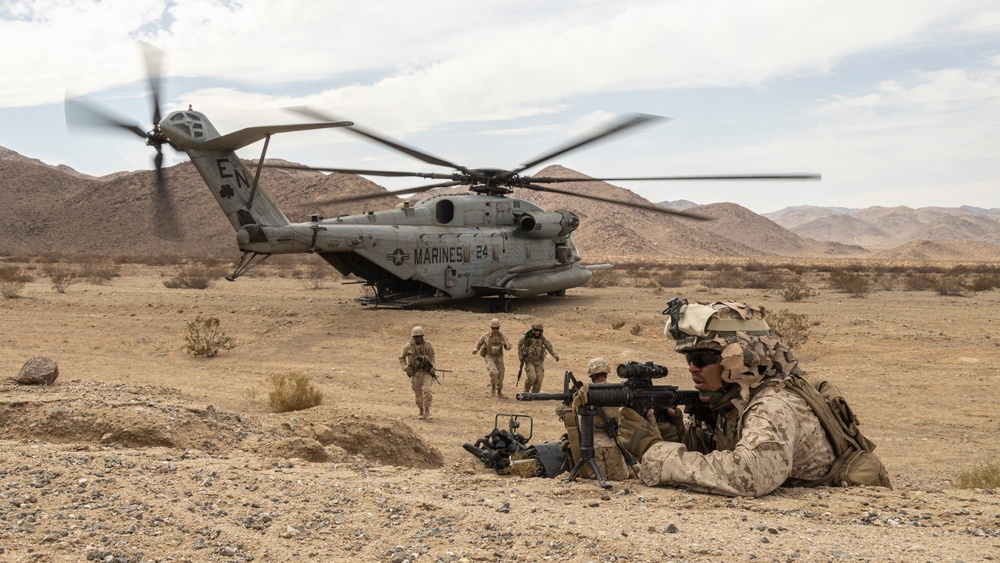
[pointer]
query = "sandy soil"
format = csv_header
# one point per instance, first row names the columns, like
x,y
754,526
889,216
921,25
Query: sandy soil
x,y
141,452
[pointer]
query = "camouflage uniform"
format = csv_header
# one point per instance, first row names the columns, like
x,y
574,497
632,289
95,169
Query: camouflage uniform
x,y
607,454
421,380
764,436
531,351
491,346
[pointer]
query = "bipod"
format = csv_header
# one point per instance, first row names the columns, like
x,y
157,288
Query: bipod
x,y
587,413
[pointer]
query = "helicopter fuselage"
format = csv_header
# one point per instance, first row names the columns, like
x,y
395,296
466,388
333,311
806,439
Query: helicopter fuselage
x,y
442,248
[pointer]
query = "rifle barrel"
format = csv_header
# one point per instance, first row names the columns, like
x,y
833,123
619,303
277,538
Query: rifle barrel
x,y
544,396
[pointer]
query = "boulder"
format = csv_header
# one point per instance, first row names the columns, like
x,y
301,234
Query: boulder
x,y
38,371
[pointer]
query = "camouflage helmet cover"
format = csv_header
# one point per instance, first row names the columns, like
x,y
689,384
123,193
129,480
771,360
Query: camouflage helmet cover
x,y
750,351
494,323
596,366
537,326
417,331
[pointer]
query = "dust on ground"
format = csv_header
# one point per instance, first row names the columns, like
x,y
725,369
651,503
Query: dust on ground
x,y
141,452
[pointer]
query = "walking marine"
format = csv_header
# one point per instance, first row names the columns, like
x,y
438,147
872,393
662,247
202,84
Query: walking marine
x,y
417,361
491,346
531,351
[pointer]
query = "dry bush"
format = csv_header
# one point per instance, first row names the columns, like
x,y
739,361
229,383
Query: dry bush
x,y
984,282
980,477
194,276
727,277
949,284
99,273
853,283
12,281
918,282
796,289
792,327
672,278
206,339
635,330
605,278
292,392
314,277
618,325
62,278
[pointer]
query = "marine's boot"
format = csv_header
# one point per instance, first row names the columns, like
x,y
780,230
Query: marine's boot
x,y
422,414
500,393
493,390
427,412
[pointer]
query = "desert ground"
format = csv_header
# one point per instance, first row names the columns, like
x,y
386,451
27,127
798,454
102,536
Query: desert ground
x,y
141,452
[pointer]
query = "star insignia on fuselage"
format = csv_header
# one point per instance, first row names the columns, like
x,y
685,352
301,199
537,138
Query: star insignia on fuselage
x,y
398,257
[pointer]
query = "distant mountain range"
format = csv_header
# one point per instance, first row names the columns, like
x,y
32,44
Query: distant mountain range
x,y
55,209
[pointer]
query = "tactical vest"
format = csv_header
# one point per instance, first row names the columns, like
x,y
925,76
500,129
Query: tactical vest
x,y
855,463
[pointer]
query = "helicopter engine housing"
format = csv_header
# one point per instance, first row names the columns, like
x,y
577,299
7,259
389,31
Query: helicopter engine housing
x,y
548,225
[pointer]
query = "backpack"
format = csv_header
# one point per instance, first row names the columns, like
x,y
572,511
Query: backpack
x,y
855,463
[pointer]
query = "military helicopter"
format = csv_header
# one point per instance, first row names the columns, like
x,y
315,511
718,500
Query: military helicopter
x,y
443,248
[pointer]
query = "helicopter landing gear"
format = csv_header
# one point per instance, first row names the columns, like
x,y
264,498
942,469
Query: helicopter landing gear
x,y
502,305
559,293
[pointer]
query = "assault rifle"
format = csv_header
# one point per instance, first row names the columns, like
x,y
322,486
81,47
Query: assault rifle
x,y
637,393
421,363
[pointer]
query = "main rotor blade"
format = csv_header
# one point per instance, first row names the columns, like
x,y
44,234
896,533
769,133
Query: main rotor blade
x,y
396,145
684,178
165,224
362,197
81,113
154,68
621,125
646,206
431,175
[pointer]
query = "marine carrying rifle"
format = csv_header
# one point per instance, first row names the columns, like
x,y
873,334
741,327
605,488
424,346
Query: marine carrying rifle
x,y
421,363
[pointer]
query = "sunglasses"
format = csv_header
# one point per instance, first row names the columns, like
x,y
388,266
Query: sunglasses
x,y
703,358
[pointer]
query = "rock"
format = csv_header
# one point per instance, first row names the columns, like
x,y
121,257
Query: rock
x,y
38,371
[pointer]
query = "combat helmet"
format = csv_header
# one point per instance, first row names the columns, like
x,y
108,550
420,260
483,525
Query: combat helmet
x,y
537,326
495,323
749,350
596,366
417,331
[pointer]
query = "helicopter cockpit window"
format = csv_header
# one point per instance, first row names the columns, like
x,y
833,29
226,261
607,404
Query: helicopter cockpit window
x,y
444,211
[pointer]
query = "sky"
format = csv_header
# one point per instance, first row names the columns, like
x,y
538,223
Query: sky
x,y
894,102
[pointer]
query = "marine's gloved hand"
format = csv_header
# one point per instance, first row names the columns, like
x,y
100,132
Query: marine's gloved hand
x,y
556,356
635,433
672,428
408,372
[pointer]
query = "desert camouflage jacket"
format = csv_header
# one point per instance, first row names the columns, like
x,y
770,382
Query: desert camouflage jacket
x,y
533,349
494,344
780,442
411,351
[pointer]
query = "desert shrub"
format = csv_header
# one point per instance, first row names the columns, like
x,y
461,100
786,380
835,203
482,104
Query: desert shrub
x,y
99,274
195,276
671,278
605,278
980,477
853,283
724,278
796,289
949,285
62,279
635,330
206,339
618,325
919,282
12,281
792,327
984,282
314,278
292,392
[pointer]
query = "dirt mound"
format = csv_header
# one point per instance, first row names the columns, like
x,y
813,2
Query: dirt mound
x,y
143,416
